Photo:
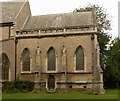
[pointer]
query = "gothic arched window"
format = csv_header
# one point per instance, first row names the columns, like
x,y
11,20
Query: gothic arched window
x,y
25,60
51,59
79,58
5,63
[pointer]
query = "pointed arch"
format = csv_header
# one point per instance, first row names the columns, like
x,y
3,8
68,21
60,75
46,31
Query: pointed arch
x,y
51,59
26,60
79,58
5,66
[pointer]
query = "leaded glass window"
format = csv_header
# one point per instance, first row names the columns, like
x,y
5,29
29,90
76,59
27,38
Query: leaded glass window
x,y
26,60
51,59
4,61
79,58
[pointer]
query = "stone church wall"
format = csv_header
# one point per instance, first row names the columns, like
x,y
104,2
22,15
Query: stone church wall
x,y
71,43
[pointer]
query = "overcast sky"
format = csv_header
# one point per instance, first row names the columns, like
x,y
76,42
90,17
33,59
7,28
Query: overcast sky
x,y
42,7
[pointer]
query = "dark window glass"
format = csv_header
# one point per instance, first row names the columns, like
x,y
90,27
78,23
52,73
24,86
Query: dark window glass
x,y
51,82
26,60
51,59
79,59
4,63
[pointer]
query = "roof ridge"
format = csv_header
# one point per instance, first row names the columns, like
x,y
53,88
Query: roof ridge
x,y
61,13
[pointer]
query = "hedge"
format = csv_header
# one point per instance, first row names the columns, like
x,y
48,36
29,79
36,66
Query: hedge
x,y
17,86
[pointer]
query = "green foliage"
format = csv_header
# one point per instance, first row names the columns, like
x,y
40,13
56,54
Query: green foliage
x,y
17,86
102,17
7,86
112,70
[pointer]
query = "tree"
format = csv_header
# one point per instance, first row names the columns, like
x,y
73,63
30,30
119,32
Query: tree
x,y
112,71
103,27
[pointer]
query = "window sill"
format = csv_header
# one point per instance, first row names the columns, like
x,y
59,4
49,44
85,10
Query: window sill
x,y
79,71
26,72
51,71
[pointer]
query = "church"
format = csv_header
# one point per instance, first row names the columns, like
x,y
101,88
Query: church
x,y
58,52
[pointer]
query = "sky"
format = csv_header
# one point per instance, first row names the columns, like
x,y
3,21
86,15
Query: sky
x,y
43,7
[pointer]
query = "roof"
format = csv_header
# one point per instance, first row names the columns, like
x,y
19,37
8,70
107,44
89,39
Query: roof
x,y
60,21
9,10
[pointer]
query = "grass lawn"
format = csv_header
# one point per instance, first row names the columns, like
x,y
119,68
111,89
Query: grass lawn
x,y
110,94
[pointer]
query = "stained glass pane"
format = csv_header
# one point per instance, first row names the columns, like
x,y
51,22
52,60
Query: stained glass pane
x,y
79,59
26,60
51,59
5,67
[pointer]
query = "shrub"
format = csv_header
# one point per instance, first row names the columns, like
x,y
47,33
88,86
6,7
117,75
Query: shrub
x,y
17,86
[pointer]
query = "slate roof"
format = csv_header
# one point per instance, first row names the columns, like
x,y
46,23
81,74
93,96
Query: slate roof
x,y
60,21
9,11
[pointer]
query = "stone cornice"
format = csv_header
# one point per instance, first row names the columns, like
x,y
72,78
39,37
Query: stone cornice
x,y
56,32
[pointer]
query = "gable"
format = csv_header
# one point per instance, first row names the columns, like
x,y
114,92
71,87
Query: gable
x,y
16,12
9,11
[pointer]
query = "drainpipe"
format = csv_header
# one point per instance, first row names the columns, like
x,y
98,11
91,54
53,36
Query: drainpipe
x,y
92,38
